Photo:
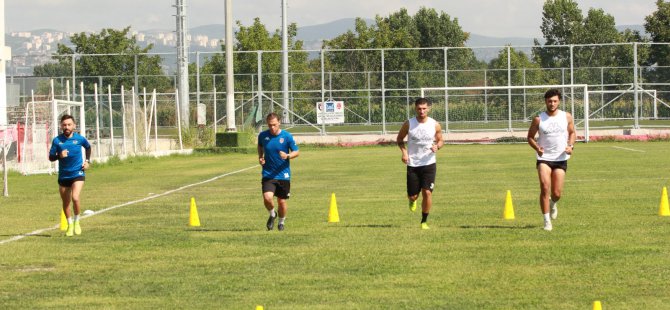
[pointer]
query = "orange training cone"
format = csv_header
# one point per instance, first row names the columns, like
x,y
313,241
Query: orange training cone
x,y
193,219
508,214
63,221
333,215
664,209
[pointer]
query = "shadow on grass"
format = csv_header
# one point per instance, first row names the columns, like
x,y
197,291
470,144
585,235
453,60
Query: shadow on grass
x,y
365,226
218,229
499,227
35,235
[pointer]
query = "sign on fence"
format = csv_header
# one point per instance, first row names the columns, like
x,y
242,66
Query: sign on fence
x,y
330,112
202,114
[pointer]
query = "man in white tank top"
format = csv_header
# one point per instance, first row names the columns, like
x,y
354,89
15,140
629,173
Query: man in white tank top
x,y
425,138
553,146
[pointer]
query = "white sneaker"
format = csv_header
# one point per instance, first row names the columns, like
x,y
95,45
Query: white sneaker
x,y
553,209
547,226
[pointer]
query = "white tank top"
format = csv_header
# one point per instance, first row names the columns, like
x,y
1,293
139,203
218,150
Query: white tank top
x,y
553,136
419,141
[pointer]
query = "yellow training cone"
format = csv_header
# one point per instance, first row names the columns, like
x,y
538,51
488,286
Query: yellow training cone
x,y
63,221
193,219
333,216
259,307
597,305
508,214
663,209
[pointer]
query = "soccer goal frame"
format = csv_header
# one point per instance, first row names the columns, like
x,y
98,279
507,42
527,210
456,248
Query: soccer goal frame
x,y
40,131
583,87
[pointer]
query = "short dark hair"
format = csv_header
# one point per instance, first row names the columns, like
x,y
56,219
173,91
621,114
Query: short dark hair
x,y
421,101
66,116
553,92
271,115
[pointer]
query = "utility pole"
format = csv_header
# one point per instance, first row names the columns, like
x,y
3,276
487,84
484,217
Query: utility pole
x,y
182,61
284,49
230,78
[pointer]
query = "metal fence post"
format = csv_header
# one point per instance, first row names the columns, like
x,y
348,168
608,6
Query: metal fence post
x,y
636,88
323,91
383,97
446,93
509,90
197,79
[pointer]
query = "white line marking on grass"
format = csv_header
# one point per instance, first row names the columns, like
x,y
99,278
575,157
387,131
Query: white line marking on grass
x,y
39,231
627,149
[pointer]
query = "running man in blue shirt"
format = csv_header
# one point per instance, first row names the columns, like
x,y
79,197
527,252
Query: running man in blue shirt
x,y
276,148
66,148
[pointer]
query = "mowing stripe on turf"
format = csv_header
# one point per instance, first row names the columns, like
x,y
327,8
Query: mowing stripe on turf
x,y
39,231
627,149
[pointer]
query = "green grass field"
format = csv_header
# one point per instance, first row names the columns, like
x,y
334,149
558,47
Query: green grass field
x,y
608,244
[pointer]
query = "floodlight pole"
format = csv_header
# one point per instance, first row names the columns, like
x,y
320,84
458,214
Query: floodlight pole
x,y
230,78
182,61
284,49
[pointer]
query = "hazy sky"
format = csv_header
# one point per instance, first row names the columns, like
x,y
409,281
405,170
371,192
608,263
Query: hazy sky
x,y
497,18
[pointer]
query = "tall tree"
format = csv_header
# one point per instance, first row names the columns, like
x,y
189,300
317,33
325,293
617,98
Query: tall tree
x,y
658,26
561,25
110,54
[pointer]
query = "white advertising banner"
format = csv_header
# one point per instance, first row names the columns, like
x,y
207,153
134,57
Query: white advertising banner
x,y
330,112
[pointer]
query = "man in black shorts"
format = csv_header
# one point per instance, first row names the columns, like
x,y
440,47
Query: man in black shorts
x,y
276,148
66,148
424,139
553,147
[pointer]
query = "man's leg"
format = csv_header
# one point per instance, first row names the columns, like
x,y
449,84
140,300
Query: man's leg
x,y
426,204
557,179
66,197
413,187
544,174
76,192
77,186
283,210
268,201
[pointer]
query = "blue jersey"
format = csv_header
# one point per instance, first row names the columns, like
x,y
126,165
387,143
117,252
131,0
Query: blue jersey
x,y
275,167
69,167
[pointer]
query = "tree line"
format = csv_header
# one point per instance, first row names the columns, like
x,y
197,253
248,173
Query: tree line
x,y
356,53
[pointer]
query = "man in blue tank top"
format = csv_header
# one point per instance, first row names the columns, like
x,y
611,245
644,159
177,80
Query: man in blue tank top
x,y
67,149
553,147
276,148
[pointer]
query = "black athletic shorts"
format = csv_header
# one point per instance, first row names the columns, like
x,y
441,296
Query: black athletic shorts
x,y
554,164
69,182
420,177
281,188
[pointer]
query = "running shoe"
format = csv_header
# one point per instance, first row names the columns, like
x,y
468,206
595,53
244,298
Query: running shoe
x,y
77,228
271,222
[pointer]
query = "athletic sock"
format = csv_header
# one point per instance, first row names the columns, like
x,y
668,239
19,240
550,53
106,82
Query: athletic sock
x,y
424,217
76,217
272,213
69,221
281,220
546,217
